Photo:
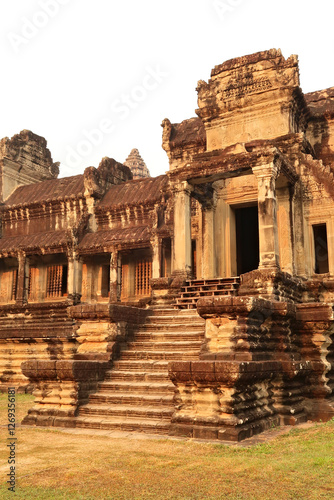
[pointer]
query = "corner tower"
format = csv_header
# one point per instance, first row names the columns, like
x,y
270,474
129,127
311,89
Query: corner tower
x,y
255,97
24,159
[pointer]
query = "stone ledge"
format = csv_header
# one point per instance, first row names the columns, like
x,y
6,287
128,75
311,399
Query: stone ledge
x,y
114,312
227,372
77,370
314,312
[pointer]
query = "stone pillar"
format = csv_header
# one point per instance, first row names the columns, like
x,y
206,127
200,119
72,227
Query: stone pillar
x,y
74,277
156,257
285,220
208,239
113,295
267,203
299,236
182,229
330,243
22,280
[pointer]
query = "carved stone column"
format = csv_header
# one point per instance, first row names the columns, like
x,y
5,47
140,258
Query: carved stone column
x,y
182,229
299,236
208,249
286,236
267,203
74,283
113,295
22,279
156,257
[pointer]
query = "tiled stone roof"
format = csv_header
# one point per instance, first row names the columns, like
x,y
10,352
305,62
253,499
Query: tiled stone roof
x,y
54,189
103,239
50,239
135,192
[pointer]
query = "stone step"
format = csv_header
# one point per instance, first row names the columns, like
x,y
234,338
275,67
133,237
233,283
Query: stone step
x,y
162,311
192,319
187,305
175,328
128,424
195,289
209,288
218,281
147,365
157,355
164,346
167,336
161,388
120,410
137,376
207,293
184,301
128,398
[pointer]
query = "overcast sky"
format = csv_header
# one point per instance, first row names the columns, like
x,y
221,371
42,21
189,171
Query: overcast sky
x,y
97,77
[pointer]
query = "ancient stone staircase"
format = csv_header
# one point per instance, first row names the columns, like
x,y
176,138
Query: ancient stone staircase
x,y
195,289
137,394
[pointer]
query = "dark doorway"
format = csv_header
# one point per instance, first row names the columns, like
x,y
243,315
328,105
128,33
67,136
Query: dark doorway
x,y
247,232
320,249
166,257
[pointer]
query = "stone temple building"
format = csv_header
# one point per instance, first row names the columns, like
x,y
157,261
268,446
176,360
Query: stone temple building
x,y
197,303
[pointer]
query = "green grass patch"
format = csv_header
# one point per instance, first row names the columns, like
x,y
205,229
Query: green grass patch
x,y
52,464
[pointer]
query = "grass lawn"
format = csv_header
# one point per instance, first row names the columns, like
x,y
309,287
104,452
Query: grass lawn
x,y
55,465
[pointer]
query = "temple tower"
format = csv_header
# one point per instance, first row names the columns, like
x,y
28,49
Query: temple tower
x,y
137,165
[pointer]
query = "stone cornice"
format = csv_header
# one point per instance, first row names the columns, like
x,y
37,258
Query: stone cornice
x,y
215,165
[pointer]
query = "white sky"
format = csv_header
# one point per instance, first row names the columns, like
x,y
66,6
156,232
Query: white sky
x,y
70,67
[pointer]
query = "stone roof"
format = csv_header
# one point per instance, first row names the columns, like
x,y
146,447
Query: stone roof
x,y
49,239
137,165
54,189
135,192
104,239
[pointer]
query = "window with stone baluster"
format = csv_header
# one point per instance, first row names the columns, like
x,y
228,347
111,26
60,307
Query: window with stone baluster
x,y
8,280
136,274
56,281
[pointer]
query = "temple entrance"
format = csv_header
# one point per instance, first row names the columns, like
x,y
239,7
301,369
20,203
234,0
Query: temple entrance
x,y
247,237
